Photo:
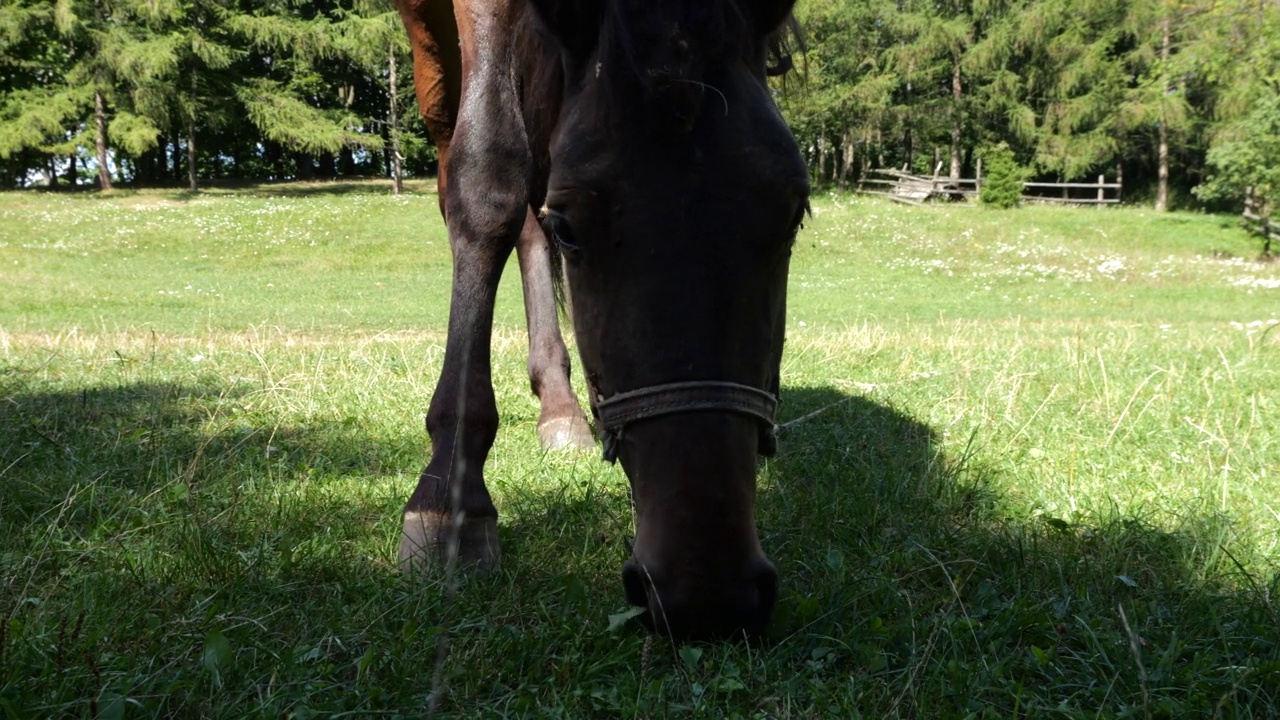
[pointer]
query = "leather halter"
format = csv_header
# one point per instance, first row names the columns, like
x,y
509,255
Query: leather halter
x,y
614,413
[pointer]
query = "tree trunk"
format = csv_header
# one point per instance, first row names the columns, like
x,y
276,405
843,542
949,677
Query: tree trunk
x,y
397,170
151,164
191,157
72,169
822,157
326,165
100,139
908,148
272,154
304,167
142,168
846,164
1162,149
176,163
956,120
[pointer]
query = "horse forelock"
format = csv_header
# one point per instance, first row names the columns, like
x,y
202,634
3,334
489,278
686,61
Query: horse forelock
x,y
655,61
663,48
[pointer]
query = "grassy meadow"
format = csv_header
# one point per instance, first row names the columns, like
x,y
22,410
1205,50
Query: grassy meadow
x,y
1030,468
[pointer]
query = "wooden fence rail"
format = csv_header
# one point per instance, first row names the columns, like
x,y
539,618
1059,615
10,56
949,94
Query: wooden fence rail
x,y
1100,189
904,187
901,186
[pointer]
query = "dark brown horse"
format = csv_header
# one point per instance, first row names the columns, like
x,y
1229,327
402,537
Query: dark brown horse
x,y
642,134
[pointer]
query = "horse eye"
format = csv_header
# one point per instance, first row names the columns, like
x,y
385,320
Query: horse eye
x,y
557,227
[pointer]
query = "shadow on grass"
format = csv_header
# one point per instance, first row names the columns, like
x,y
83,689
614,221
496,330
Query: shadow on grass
x,y
167,513
319,188
135,435
919,573
178,192
112,464
911,588
146,523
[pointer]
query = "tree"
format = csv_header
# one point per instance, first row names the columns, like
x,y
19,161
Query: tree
x,y
38,106
1240,56
844,95
100,37
1002,187
1245,160
304,89
1076,73
1163,61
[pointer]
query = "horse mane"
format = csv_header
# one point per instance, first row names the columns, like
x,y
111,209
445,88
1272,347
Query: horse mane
x,y
781,47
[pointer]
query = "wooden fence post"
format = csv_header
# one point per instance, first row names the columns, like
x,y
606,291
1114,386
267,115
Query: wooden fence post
x,y
1102,193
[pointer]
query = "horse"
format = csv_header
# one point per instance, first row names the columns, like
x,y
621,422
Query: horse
x,y
631,150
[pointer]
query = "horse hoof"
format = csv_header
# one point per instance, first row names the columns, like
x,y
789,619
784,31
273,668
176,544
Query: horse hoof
x,y
571,433
425,542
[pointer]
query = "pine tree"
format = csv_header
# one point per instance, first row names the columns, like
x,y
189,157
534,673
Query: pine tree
x,y
37,104
1240,54
845,91
1158,111
1082,84
303,92
1002,187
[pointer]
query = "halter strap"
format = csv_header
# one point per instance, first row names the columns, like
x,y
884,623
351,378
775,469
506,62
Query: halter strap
x,y
614,413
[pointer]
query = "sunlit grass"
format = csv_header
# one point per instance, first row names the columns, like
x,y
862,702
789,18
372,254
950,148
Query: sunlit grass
x,y
1041,479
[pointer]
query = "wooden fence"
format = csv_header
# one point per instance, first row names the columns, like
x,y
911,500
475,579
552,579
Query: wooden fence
x,y
901,186
904,187
1096,192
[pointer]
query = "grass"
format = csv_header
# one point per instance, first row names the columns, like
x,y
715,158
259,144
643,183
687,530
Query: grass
x,y
1041,480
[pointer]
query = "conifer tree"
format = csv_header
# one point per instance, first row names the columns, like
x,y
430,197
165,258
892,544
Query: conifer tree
x,y
38,107
305,85
846,89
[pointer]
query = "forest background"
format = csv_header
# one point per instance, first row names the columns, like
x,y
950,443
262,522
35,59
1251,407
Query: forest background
x,y
1178,100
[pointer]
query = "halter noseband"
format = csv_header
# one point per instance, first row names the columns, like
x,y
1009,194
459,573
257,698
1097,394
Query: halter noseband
x,y
613,414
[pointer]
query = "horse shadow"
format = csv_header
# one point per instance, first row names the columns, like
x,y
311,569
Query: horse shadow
x,y
880,534
154,462
897,559
861,504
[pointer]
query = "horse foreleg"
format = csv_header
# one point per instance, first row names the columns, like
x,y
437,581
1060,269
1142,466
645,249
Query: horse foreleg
x,y
462,419
561,423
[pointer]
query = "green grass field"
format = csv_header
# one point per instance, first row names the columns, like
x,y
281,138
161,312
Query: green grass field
x,y
1042,480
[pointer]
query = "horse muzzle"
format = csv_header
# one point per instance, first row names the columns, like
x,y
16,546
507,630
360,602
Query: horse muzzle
x,y
713,610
